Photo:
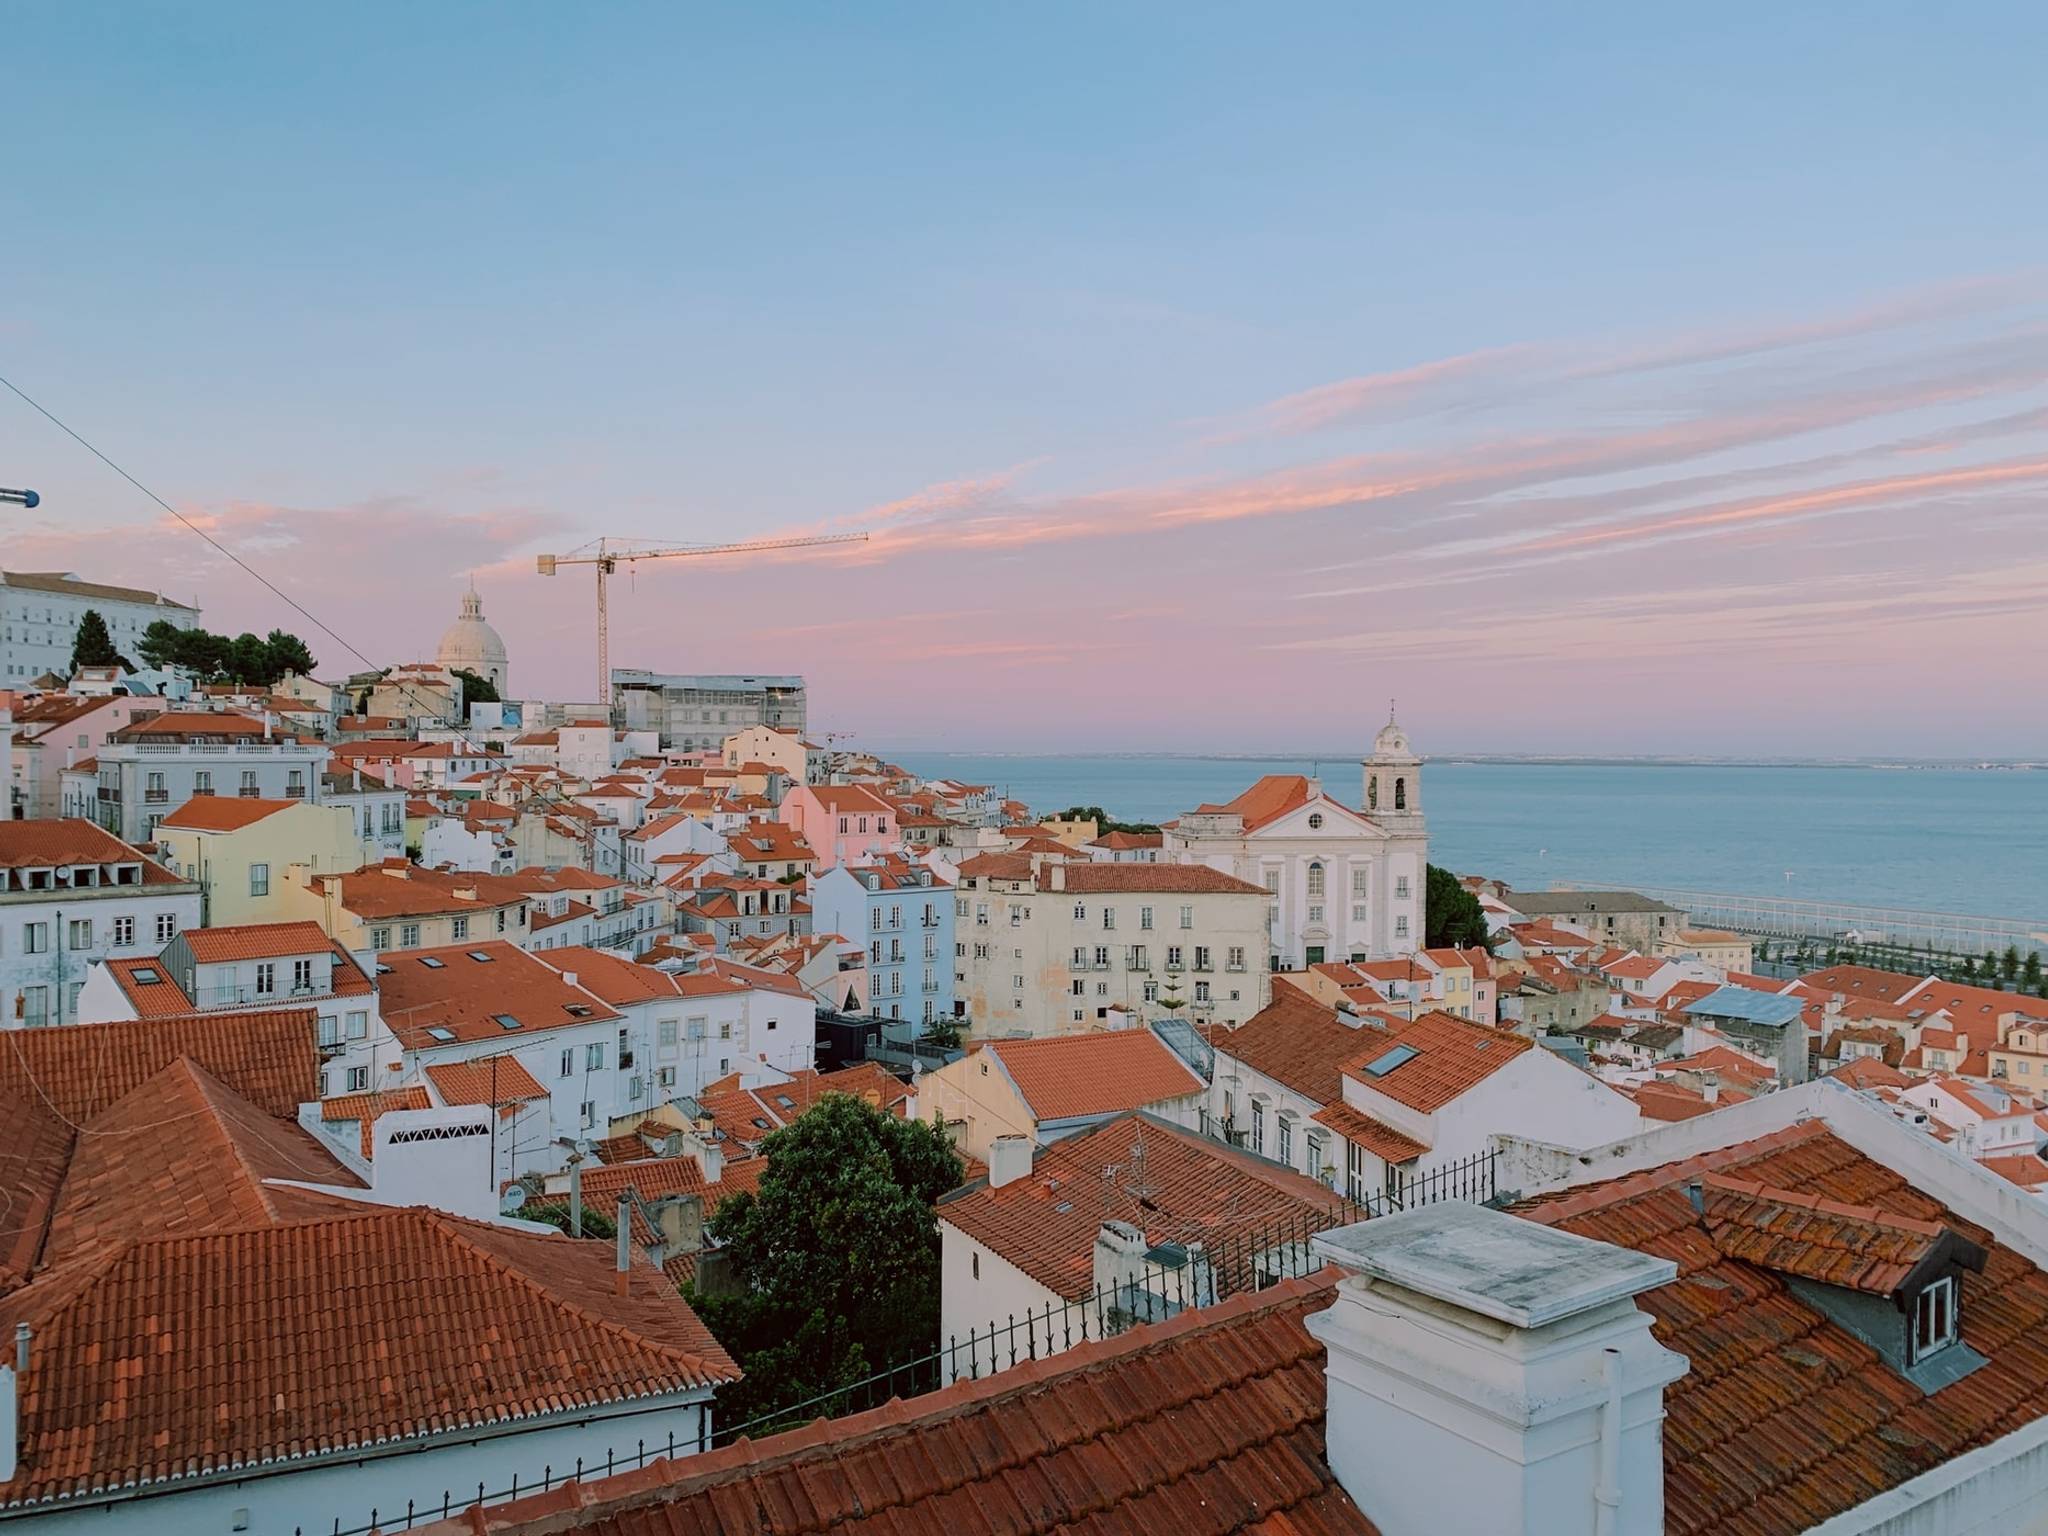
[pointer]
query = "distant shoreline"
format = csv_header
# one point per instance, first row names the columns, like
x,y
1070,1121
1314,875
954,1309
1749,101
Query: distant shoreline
x,y
1523,760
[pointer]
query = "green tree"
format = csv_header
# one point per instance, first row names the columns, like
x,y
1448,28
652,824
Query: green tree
x,y
160,644
943,1033
477,689
1451,915
2030,972
1104,822
836,1255
287,657
93,646
248,660
2009,962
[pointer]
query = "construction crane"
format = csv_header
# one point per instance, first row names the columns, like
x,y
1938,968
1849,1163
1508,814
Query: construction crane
x,y
606,555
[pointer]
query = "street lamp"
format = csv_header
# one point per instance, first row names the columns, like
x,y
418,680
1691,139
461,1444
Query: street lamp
x,y
27,499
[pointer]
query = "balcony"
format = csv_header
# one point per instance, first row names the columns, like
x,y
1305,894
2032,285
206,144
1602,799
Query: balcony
x,y
156,797
295,791
251,792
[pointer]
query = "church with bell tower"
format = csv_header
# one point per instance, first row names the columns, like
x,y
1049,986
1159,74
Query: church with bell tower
x,y
1345,882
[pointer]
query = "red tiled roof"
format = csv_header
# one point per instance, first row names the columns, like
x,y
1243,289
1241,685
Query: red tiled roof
x,y
657,1178
1870,1072
1667,1101
1452,1056
1861,981
1129,842
1725,1060
368,1108
1298,1042
1207,1425
1064,1076
468,997
1376,1136
257,941
400,1308
1769,1369
267,1055
223,813
377,893
184,1153
53,843
495,1080
1856,1246
1184,1186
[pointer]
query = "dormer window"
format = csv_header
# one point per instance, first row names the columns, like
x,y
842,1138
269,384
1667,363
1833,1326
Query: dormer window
x,y
1934,1317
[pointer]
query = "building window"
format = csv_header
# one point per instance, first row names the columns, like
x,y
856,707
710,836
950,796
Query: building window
x,y
460,928
1201,957
1315,882
1354,1173
166,927
249,787
587,1113
358,1079
1934,1318
1144,917
302,975
124,932
1187,917
358,1025
1286,1146
202,782
1201,992
80,934
330,1029
568,1061
1315,821
1235,957
266,978
35,1006
408,935
259,879
1401,888
1258,1126
380,938
1151,990
1400,927
1109,917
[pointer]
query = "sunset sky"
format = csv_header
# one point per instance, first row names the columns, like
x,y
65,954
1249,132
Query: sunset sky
x,y
1638,381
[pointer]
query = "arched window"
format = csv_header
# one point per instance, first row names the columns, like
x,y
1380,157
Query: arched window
x,y
1400,794
1315,882
1372,794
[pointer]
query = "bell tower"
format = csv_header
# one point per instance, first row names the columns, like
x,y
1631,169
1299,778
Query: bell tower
x,y
1393,780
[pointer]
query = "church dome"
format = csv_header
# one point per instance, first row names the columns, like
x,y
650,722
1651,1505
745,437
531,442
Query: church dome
x,y
471,645
1392,741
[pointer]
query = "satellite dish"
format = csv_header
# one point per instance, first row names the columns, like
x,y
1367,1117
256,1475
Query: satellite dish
x,y
512,1199
583,1146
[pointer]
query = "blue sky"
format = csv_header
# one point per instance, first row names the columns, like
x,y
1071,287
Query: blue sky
x,y
460,283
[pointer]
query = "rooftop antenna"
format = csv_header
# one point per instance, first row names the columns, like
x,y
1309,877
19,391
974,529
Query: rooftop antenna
x,y
1140,1188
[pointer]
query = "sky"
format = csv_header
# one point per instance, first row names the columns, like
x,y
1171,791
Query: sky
x,y
1204,377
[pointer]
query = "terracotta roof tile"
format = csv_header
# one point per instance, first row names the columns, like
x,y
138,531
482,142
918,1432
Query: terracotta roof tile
x,y
495,1080
223,813
1064,1076
1207,1425
1142,879
1451,1056
1298,1042
268,1056
1770,1370
1192,1187
46,844
451,990
303,1361
1376,1136
257,941
367,1108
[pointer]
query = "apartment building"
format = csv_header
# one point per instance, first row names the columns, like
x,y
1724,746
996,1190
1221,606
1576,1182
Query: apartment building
x,y
40,612
150,767
1044,948
903,911
72,895
60,731
239,850
697,712
396,905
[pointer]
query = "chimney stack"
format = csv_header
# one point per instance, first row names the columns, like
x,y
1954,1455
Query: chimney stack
x,y
1710,1087
1009,1159
1506,1358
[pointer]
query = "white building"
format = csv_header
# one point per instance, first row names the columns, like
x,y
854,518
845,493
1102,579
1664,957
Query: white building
x,y
71,895
40,612
471,645
1054,948
152,766
261,965
1345,883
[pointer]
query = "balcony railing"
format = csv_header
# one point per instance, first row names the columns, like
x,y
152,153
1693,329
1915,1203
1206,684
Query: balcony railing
x,y
156,797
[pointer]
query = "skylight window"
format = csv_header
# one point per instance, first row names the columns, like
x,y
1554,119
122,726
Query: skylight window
x,y
1384,1063
436,1032
478,956
506,1021
430,963
148,975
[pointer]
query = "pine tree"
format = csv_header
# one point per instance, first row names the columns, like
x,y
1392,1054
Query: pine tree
x,y
93,647
2030,972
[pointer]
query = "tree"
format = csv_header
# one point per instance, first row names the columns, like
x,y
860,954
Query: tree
x,y
2009,962
836,1255
1451,915
943,1034
2030,972
93,646
160,643
476,689
287,656
1104,822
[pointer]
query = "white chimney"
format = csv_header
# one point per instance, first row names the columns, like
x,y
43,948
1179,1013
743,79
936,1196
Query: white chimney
x,y
1119,1257
1488,1376
1710,1087
1009,1159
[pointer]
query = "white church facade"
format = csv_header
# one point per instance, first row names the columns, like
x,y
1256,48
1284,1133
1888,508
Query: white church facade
x,y
1346,883
470,644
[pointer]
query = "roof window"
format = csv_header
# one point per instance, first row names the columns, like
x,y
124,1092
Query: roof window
x,y
478,956
148,975
506,1021
431,963
1387,1061
437,1032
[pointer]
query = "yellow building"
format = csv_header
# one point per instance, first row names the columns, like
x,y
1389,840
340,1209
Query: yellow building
x,y
239,849
1076,832
1710,946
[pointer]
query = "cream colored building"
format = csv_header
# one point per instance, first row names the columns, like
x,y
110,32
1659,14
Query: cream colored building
x,y
396,905
1344,883
1046,948
1712,947
799,761
238,850
1077,832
